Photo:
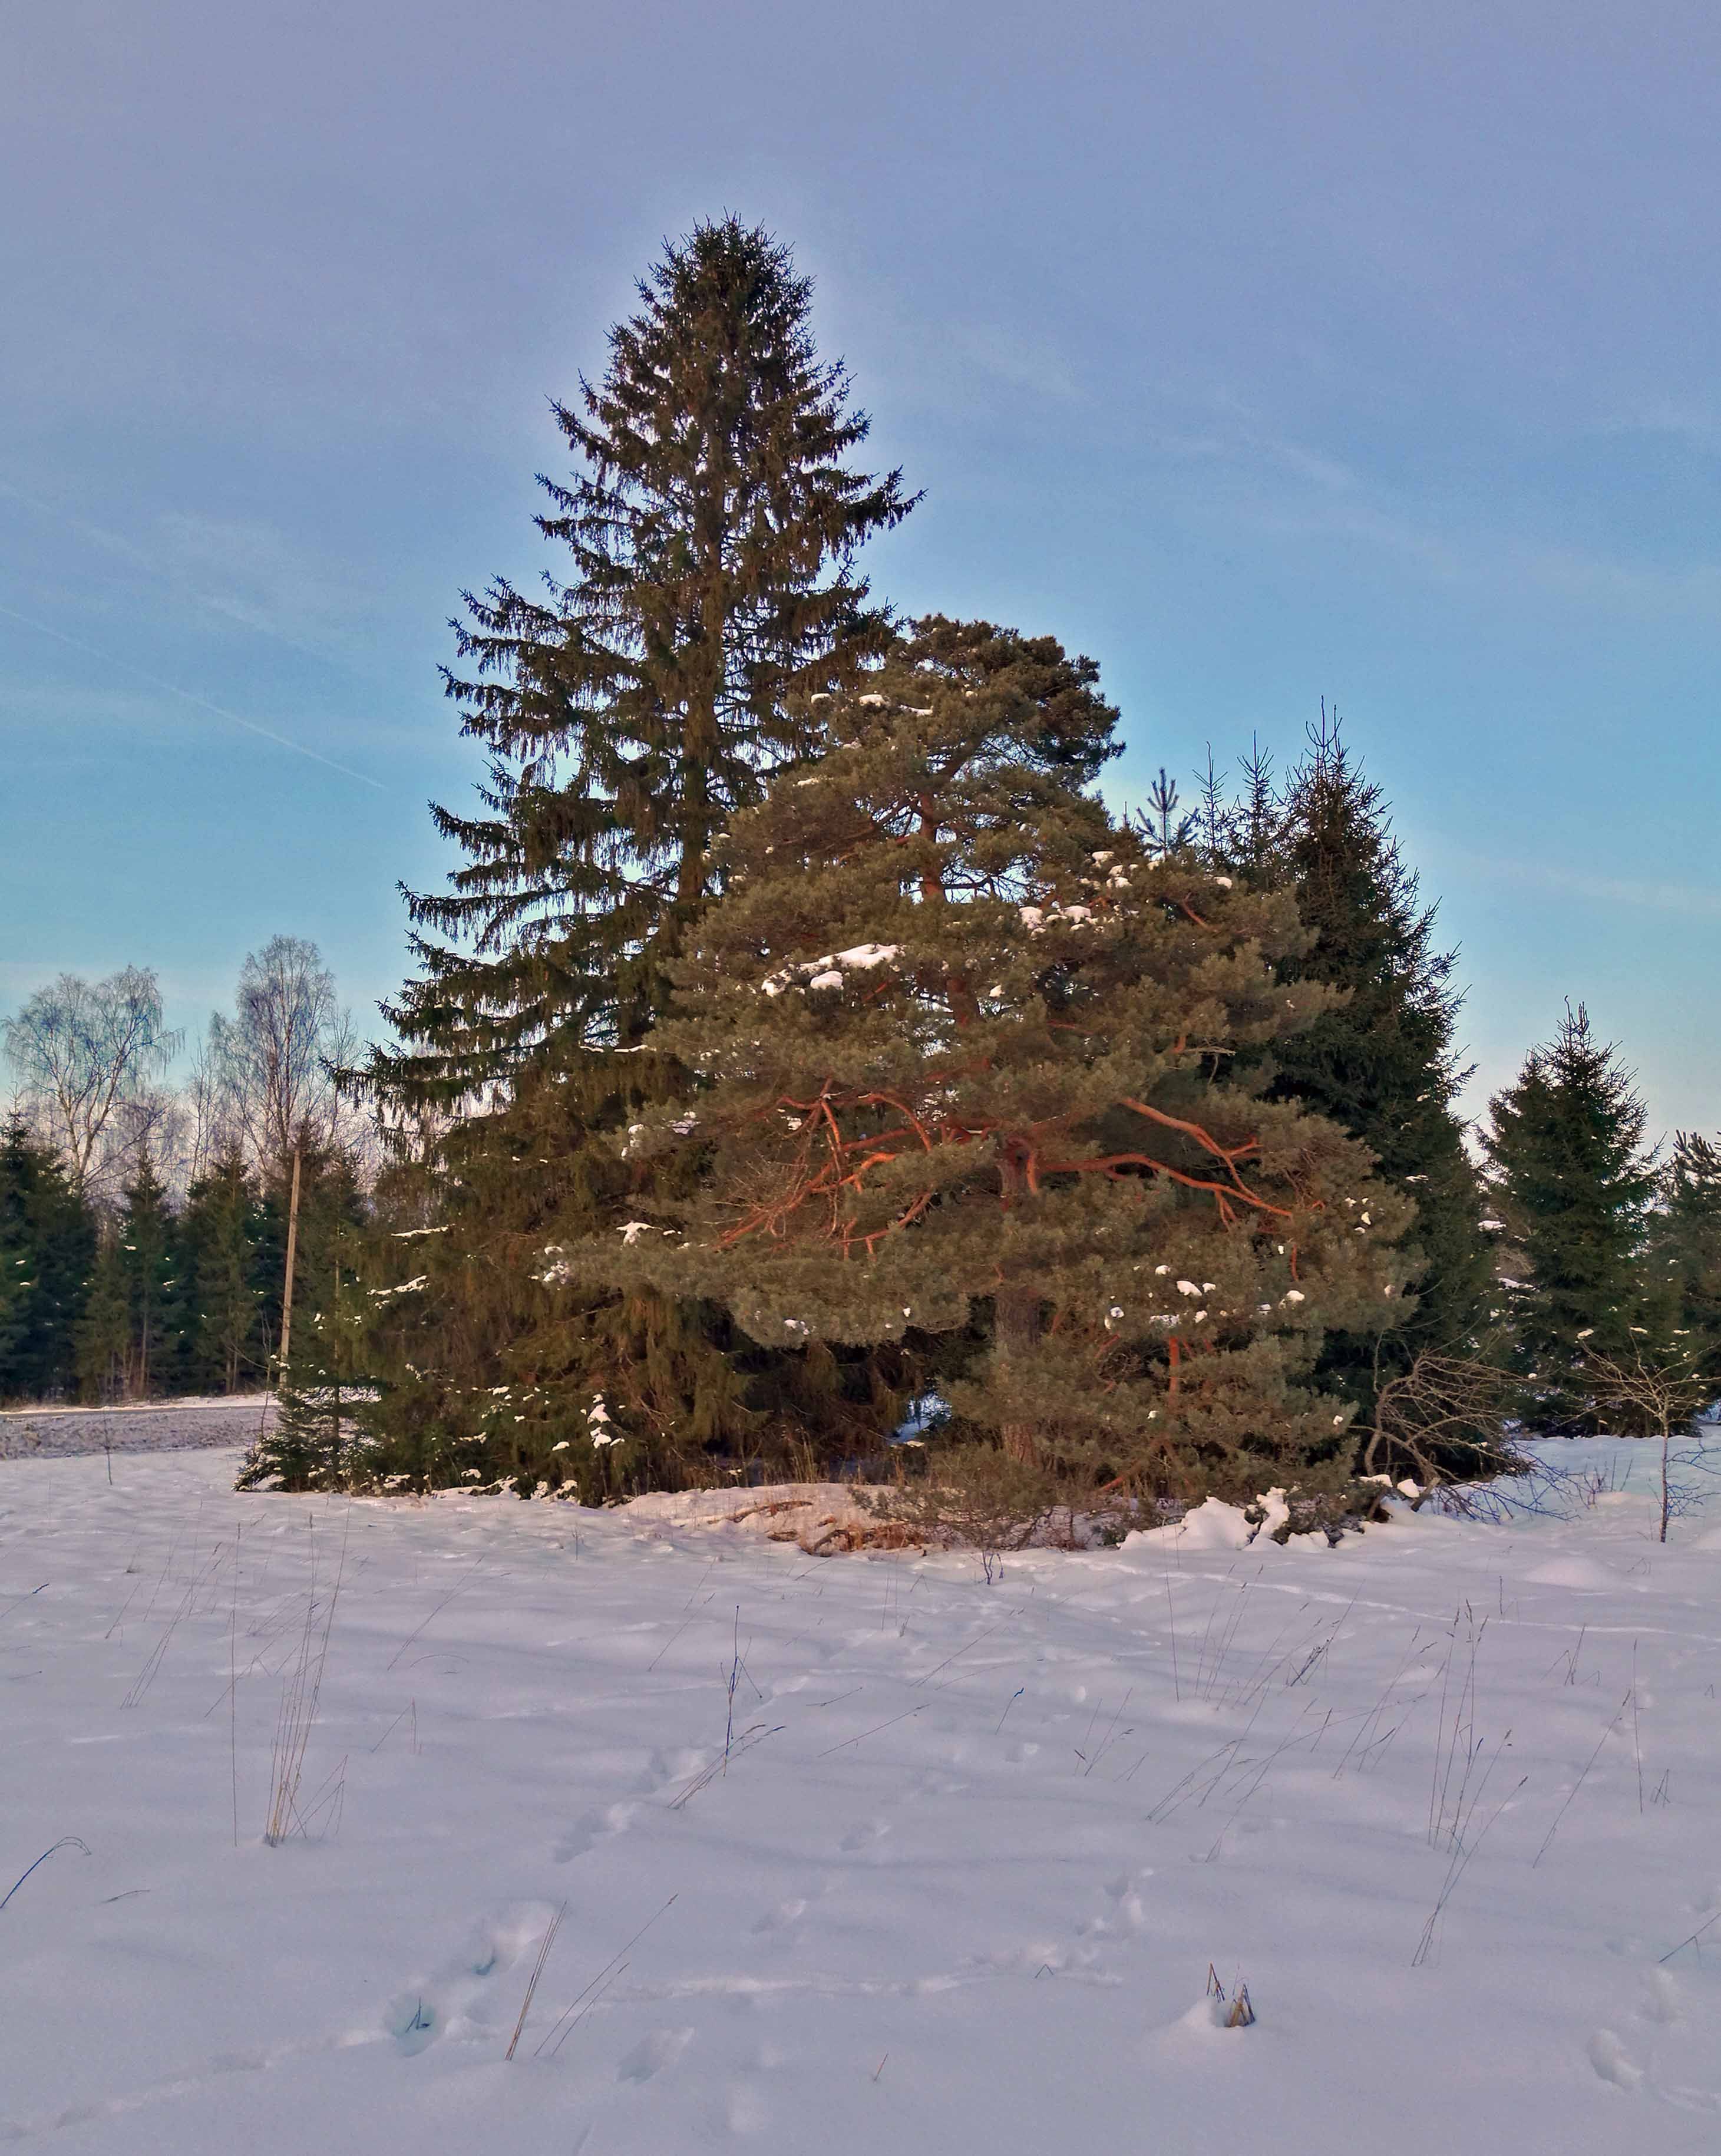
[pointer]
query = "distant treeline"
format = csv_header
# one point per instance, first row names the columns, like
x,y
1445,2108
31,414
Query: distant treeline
x,y
143,1226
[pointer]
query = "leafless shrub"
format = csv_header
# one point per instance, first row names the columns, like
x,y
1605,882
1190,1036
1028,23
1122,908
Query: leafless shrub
x,y
1443,1421
1652,1390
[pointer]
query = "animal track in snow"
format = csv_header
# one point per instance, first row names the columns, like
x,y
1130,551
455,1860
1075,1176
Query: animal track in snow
x,y
1609,2058
653,2052
442,2003
594,1826
782,1918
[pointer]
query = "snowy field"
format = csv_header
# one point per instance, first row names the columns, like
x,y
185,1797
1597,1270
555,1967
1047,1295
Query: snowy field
x,y
1445,1798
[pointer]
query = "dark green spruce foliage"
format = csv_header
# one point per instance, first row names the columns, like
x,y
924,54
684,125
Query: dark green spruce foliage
x,y
129,1336
1684,1253
712,531
313,1441
104,1335
223,1256
1380,1062
1572,1182
963,1049
46,1252
712,594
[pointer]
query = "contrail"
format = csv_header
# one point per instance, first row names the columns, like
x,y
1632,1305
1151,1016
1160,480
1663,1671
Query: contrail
x,y
203,703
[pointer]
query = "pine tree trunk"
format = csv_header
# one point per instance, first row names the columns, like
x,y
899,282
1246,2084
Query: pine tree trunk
x,y
1015,1321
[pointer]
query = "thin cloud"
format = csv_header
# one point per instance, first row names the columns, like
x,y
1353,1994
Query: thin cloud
x,y
246,573
1285,489
190,697
1700,900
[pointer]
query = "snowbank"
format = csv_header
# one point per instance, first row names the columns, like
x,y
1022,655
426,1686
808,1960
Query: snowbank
x,y
822,1518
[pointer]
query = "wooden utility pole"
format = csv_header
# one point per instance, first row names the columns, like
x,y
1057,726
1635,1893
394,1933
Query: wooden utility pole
x,y
292,1251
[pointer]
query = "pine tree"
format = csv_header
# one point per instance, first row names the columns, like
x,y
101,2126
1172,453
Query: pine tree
x,y
1380,1061
1163,822
1572,1182
713,527
963,1044
46,1250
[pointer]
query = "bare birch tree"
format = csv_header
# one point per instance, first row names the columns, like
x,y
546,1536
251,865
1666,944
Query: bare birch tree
x,y
86,1055
270,1082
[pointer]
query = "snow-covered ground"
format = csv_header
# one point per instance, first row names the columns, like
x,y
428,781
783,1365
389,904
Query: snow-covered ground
x,y
959,1888
163,1426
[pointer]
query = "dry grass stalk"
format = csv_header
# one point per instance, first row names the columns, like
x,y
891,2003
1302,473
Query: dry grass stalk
x,y
563,2026
538,1970
301,1696
1239,2014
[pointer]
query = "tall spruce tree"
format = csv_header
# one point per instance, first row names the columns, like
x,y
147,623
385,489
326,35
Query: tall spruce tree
x,y
129,1334
47,1251
1572,1182
712,530
1380,1060
963,1049
713,527
223,1246
1684,1248
104,1337
149,1237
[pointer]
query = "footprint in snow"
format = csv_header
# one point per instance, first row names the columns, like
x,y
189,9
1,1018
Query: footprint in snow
x,y
445,2003
656,1772
648,2057
593,1827
779,1919
1609,2058
413,2022
864,1835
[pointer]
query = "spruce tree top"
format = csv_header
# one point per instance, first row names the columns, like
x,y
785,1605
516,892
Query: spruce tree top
x,y
1382,1062
1572,1183
713,524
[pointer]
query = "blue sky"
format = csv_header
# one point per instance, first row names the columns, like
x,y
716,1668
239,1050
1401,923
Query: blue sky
x,y
1266,354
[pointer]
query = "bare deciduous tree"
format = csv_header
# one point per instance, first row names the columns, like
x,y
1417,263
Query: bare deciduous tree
x,y
269,1081
86,1055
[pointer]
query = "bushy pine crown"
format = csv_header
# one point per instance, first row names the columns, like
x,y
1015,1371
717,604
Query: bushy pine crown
x,y
961,1044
